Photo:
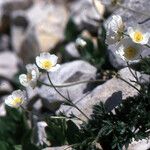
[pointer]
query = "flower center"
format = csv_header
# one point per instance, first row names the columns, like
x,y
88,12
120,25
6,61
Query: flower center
x,y
46,64
17,100
138,36
29,77
130,53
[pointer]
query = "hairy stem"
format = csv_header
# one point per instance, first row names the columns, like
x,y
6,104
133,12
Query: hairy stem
x,y
68,100
128,83
73,83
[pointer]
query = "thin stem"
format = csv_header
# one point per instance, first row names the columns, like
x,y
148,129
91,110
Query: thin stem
x,y
73,83
72,146
129,83
66,98
125,34
147,45
25,109
52,117
134,75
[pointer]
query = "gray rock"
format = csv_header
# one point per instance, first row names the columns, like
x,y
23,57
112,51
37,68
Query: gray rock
x,y
38,29
143,144
19,26
85,15
58,148
7,7
29,48
68,72
4,42
114,89
8,64
5,87
2,110
41,134
71,50
130,18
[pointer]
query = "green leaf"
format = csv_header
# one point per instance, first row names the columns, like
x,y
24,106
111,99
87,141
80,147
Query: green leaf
x,y
5,146
71,31
18,147
56,131
12,126
72,132
27,142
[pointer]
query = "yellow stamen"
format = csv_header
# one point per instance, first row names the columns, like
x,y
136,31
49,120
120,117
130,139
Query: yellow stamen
x,y
46,64
130,53
29,76
17,100
138,36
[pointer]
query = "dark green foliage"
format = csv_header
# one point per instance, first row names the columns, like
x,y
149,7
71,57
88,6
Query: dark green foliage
x,y
61,131
94,53
71,31
27,142
12,126
143,66
56,131
72,132
113,130
13,130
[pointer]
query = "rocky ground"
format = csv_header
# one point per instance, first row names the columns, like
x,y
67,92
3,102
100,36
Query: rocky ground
x,y
28,27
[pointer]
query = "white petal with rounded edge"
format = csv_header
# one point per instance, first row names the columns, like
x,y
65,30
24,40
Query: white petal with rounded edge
x,y
53,59
38,62
19,93
146,38
55,68
8,101
130,31
45,55
23,80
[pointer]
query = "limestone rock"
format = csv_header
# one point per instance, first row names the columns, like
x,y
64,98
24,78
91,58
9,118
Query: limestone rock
x,y
68,72
4,42
8,64
58,148
114,88
140,145
38,29
71,50
85,15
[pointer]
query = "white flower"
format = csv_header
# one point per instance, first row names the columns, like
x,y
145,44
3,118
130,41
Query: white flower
x,y
138,35
30,79
47,62
81,42
114,29
15,99
129,50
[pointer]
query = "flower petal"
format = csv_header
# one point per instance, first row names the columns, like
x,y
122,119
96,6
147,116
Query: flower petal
x,y
53,59
146,38
38,62
45,55
8,101
55,68
23,80
130,31
19,93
